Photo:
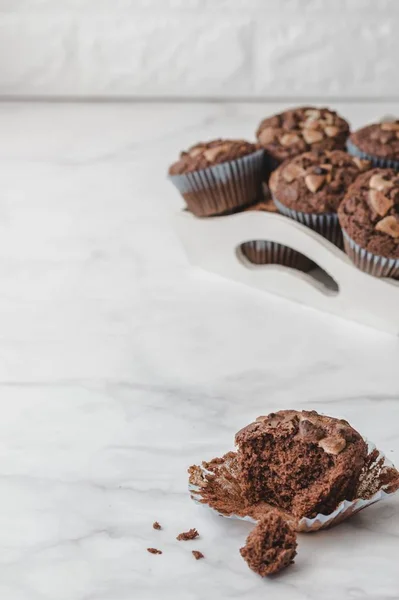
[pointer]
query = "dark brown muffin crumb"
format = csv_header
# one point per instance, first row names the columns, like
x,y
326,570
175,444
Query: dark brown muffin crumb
x,y
316,182
191,534
206,154
318,460
197,554
271,545
378,139
154,551
369,212
156,525
301,129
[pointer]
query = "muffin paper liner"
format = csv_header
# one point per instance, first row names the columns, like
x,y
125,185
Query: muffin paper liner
x,y
370,263
216,484
222,188
376,161
262,252
326,224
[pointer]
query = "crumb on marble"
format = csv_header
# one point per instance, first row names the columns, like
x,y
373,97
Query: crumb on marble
x,y
156,525
197,554
154,551
191,534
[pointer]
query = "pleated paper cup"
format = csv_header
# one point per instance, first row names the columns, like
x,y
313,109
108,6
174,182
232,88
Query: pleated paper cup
x,y
223,188
326,224
263,252
376,161
370,263
218,488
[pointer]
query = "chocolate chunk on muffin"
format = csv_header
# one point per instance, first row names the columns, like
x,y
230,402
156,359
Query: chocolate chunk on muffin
x,y
219,177
369,217
310,187
300,461
378,142
301,129
271,545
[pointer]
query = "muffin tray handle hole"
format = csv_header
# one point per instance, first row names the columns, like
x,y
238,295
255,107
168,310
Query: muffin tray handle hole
x,y
265,254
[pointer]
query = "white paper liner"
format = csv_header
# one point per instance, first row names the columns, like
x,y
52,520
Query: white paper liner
x,y
344,510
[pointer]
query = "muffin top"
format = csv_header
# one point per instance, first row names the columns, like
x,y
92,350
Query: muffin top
x,y
369,212
270,546
300,129
333,435
316,182
378,139
206,154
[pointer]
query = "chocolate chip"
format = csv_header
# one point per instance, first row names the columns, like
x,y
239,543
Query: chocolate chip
x,y
314,182
378,182
312,136
331,130
379,203
332,445
389,225
307,429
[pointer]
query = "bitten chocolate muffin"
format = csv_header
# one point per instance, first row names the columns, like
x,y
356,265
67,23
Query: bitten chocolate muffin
x,y
271,545
369,216
301,129
219,177
378,142
310,187
302,462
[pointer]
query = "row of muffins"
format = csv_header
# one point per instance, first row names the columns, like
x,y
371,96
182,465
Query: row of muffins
x,y
351,198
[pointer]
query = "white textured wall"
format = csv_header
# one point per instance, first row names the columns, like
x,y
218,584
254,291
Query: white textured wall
x,y
199,48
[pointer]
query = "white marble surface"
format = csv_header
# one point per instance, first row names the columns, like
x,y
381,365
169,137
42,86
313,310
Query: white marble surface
x,y
120,365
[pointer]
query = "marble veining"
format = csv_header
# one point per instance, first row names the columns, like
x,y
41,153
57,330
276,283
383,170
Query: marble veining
x,y
121,365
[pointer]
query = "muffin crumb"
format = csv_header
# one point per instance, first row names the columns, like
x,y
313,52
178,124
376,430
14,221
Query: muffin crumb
x,y
154,551
197,554
156,525
191,534
271,545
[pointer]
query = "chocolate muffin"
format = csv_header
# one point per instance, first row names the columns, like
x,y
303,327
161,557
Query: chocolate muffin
x,y
271,545
369,217
219,177
300,461
378,143
298,130
310,187
266,252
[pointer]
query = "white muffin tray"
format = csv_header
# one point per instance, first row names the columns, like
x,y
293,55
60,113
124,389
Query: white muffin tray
x,y
336,287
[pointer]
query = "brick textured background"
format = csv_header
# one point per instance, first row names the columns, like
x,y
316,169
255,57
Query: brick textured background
x,y
199,48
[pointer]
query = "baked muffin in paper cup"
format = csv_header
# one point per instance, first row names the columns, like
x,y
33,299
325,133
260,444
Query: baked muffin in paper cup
x,y
216,484
369,217
378,266
219,177
301,129
310,187
377,143
266,252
